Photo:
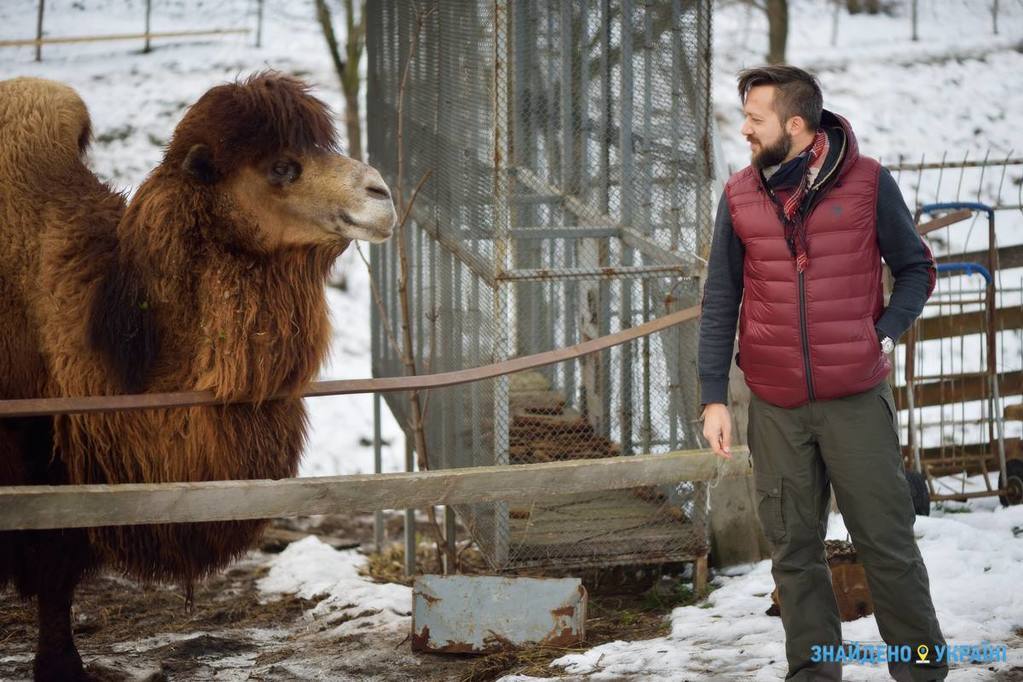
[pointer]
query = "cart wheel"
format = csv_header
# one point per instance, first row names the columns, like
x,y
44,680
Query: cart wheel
x,y
919,492
1014,468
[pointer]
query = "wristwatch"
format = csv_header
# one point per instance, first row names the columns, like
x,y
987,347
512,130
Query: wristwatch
x,y
887,345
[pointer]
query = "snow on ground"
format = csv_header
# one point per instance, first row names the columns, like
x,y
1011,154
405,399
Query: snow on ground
x,y
973,558
354,604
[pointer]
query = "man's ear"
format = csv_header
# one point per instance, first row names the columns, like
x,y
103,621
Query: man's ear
x,y
795,125
198,164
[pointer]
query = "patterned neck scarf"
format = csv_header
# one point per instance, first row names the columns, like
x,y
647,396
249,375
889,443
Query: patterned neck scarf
x,y
792,217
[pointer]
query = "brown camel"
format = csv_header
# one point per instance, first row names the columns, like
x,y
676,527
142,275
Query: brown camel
x,y
212,278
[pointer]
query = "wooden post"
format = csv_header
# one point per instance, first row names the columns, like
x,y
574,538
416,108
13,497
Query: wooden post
x,y
259,23
449,540
700,576
736,536
149,11
914,15
39,32
994,16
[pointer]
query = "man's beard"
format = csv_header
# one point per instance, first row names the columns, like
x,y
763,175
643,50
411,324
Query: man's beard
x,y
774,154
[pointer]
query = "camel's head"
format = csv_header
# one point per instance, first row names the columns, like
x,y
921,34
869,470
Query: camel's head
x,y
267,150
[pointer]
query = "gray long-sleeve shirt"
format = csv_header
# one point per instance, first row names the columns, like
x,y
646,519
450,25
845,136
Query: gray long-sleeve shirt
x,y
901,248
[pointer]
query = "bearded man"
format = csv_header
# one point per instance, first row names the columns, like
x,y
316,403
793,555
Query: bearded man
x,y
798,241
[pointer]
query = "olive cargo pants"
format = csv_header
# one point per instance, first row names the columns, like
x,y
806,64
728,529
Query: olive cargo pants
x,y
852,445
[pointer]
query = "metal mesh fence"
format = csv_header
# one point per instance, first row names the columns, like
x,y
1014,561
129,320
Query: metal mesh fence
x,y
567,148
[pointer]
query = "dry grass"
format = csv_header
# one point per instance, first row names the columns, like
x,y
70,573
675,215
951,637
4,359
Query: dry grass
x,y
389,566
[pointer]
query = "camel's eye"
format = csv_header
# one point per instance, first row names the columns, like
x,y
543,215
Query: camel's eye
x,y
284,171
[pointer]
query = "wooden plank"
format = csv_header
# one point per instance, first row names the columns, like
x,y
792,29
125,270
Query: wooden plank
x,y
962,389
1014,412
944,221
946,326
35,507
1012,449
121,36
1008,257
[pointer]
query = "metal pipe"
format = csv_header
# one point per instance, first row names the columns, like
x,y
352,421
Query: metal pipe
x,y
378,515
410,515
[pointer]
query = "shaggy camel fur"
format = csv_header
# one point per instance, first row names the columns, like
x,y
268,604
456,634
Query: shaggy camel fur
x,y
212,278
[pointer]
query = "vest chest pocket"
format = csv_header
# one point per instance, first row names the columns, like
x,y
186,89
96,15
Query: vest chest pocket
x,y
769,508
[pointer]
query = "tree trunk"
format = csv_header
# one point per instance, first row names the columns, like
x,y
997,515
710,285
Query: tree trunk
x,y
350,81
347,68
778,30
353,124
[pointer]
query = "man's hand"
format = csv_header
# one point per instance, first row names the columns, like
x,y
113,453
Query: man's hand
x,y
717,428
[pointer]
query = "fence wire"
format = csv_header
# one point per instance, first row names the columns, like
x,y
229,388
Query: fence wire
x,y
569,196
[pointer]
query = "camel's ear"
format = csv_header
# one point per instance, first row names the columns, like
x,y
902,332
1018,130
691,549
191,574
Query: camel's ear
x,y
122,328
198,164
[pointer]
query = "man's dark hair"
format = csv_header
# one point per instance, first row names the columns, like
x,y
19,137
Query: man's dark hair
x,y
797,93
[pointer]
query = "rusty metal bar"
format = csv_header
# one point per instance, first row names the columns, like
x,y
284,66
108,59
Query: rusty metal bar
x,y
31,407
622,272
962,497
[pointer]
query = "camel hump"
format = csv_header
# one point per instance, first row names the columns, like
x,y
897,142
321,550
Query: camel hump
x,y
41,120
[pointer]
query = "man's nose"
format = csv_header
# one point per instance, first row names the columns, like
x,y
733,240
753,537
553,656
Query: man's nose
x,y
745,130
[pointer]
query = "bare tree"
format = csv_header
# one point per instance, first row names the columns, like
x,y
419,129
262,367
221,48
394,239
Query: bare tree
x,y
347,67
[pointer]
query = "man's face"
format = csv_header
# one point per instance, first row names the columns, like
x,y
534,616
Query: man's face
x,y
769,142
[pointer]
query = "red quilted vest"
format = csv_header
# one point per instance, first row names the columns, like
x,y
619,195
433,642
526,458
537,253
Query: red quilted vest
x,y
811,336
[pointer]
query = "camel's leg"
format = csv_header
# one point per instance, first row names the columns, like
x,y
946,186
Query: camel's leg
x,y
56,655
45,563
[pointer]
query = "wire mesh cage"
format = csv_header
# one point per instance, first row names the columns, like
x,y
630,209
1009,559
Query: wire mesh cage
x,y
563,155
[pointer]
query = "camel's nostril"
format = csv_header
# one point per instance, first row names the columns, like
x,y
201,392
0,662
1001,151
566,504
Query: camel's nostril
x,y
378,192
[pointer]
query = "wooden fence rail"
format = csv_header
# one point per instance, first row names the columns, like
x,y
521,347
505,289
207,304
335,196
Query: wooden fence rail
x,y
121,36
81,506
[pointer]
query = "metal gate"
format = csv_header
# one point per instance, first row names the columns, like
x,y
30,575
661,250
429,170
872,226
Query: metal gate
x,y
568,153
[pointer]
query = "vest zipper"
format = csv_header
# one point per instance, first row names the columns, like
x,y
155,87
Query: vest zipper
x,y
805,335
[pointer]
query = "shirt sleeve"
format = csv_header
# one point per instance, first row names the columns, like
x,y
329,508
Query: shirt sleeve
x,y
722,294
908,257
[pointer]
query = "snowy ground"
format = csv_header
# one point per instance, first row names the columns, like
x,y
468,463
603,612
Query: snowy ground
x,y
955,91
973,557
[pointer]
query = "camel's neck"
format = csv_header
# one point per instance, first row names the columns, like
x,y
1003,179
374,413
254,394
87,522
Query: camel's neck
x,y
241,324
263,326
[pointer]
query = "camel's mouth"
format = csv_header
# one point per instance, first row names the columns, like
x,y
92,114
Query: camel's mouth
x,y
370,230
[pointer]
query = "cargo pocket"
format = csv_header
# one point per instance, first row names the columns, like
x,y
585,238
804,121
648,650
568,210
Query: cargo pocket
x,y
769,508
888,400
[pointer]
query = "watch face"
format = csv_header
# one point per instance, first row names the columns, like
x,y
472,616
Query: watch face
x,y
887,345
